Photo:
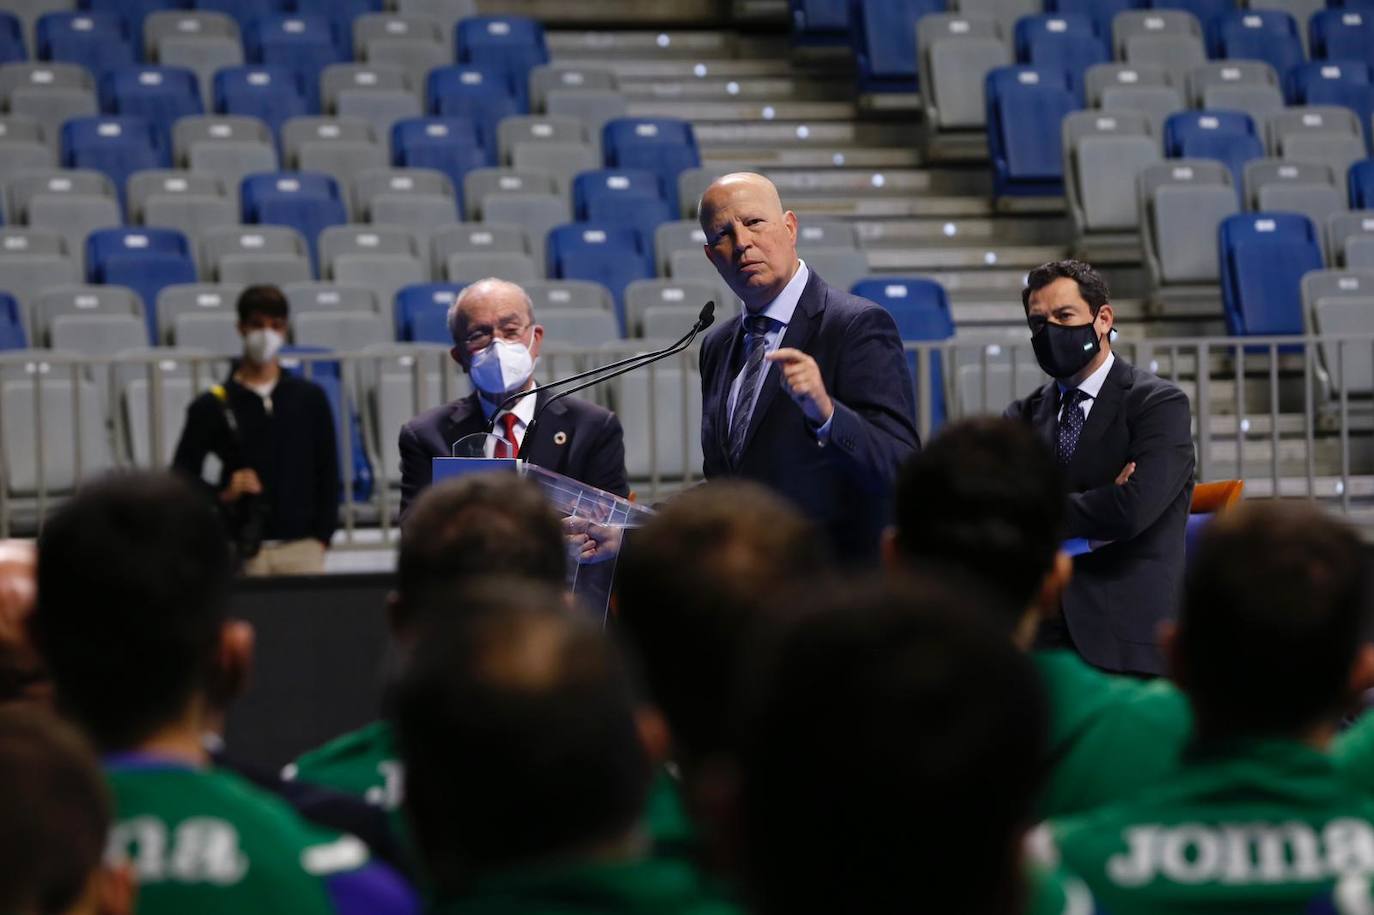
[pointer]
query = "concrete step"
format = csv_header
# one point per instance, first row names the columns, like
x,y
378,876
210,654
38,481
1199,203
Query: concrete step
x,y
901,207
853,181
633,70
995,231
753,158
762,88
667,13
933,256
648,44
744,111
824,133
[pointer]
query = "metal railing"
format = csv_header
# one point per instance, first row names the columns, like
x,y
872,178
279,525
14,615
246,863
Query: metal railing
x,y
1292,416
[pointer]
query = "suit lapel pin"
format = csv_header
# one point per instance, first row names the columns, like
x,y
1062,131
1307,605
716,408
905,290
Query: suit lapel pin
x,y
560,437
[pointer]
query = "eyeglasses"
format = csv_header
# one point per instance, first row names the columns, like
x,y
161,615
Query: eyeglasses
x,y
479,338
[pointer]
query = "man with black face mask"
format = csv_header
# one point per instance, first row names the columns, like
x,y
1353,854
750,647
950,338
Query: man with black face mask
x,y
1123,438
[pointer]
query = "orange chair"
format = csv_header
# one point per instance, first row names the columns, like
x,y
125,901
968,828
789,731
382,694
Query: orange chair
x,y
1208,499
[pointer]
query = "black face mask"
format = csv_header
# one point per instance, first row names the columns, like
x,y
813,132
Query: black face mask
x,y
1062,350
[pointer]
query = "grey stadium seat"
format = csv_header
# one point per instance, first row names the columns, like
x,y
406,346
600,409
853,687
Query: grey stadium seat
x,y
1182,204
535,213
691,184
415,44
1275,185
255,254
1351,235
1171,39
419,199
193,298
667,322
593,107
1317,133
477,238
641,295
23,148
79,300
380,94
341,147
538,128
679,235
660,417
481,183
201,41
186,201
1251,86
224,145
72,447
25,186
64,202
391,393
98,334
49,92
445,13
469,268
1337,302
559,294
693,265
329,298
988,392
562,161
345,332
214,332
579,326
559,75
955,52
1143,89
840,267
1005,12
178,383
381,258
1104,153
823,233
31,261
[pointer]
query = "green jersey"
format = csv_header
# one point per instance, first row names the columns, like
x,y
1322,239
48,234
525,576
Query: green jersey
x,y
666,819
1260,827
362,763
1053,892
209,842
654,886
1110,736
1353,754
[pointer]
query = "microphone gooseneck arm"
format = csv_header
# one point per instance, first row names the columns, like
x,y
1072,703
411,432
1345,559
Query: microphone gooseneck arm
x,y
615,369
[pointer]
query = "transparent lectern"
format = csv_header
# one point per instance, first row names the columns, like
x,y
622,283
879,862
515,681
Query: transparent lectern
x,y
595,522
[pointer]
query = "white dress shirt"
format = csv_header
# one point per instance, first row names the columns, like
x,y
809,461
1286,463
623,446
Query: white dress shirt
x,y
1092,386
524,412
780,310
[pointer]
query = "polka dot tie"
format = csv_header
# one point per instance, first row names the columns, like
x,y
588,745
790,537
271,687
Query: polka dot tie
x,y
1070,425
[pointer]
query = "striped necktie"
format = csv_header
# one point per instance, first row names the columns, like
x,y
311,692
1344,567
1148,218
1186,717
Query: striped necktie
x,y
756,345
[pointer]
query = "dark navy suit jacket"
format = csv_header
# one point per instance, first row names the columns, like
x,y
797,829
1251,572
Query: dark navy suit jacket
x,y
846,484
1121,592
574,437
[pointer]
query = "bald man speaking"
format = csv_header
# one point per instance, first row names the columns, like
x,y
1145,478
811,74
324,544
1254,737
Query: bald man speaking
x,y
808,391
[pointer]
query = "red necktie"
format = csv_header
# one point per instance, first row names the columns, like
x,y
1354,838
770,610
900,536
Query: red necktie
x,y
509,420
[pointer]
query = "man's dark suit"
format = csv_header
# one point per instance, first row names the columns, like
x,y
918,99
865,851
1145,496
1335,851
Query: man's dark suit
x,y
845,485
1121,592
574,437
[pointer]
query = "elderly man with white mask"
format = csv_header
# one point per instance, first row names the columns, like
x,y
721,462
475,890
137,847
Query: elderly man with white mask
x,y
496,341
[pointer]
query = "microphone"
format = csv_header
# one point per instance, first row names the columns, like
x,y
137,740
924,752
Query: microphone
x,y
704,320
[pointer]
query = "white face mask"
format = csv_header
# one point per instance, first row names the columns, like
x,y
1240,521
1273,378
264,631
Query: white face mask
x,y
262,345
502,368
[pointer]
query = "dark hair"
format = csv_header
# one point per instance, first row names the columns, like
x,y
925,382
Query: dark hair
x,y
1091,285
986,497
516,725
262,300
1273,613
693,587
133,578
57,813
473,527
888,767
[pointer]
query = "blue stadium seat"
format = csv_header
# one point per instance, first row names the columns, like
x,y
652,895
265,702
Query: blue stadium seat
x,y
12,47
328,376
422,312
1267,35
1347,83
1337,34
883,35
11,324
117,146
1263,258
449,145
921,309
272,94
606,254
820,22
1067,40
1101,11
144,259
1361,183
622,197
304,45
342,12
512,45
159,95
97,41
1026,156
1226,136
308,202
665,146
245,11
482,94
133,11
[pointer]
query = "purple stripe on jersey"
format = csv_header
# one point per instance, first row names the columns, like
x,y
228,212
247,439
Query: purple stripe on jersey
x,y
373,889
132,760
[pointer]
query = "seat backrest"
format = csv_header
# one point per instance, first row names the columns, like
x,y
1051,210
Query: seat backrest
x,y
1100,77
272,94
82,300
157,94
682,235
593,107
337,241
329,298
1182,204
579,326
547,77
1267,35
174,23
1229,73
558,294
99,41
919,306
1361,185
414,301
538,128
479,183
1262,173
1263,258
882,37
1346,226
97,334
1131,24
167,182
1341,302
23,188
1227,136
117,146
376,26
193,298
336,79
227,241
1341,34
1334,82
477,238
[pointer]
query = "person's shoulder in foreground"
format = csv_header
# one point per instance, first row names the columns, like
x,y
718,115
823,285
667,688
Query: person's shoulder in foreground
x,y
360,763
1268,651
